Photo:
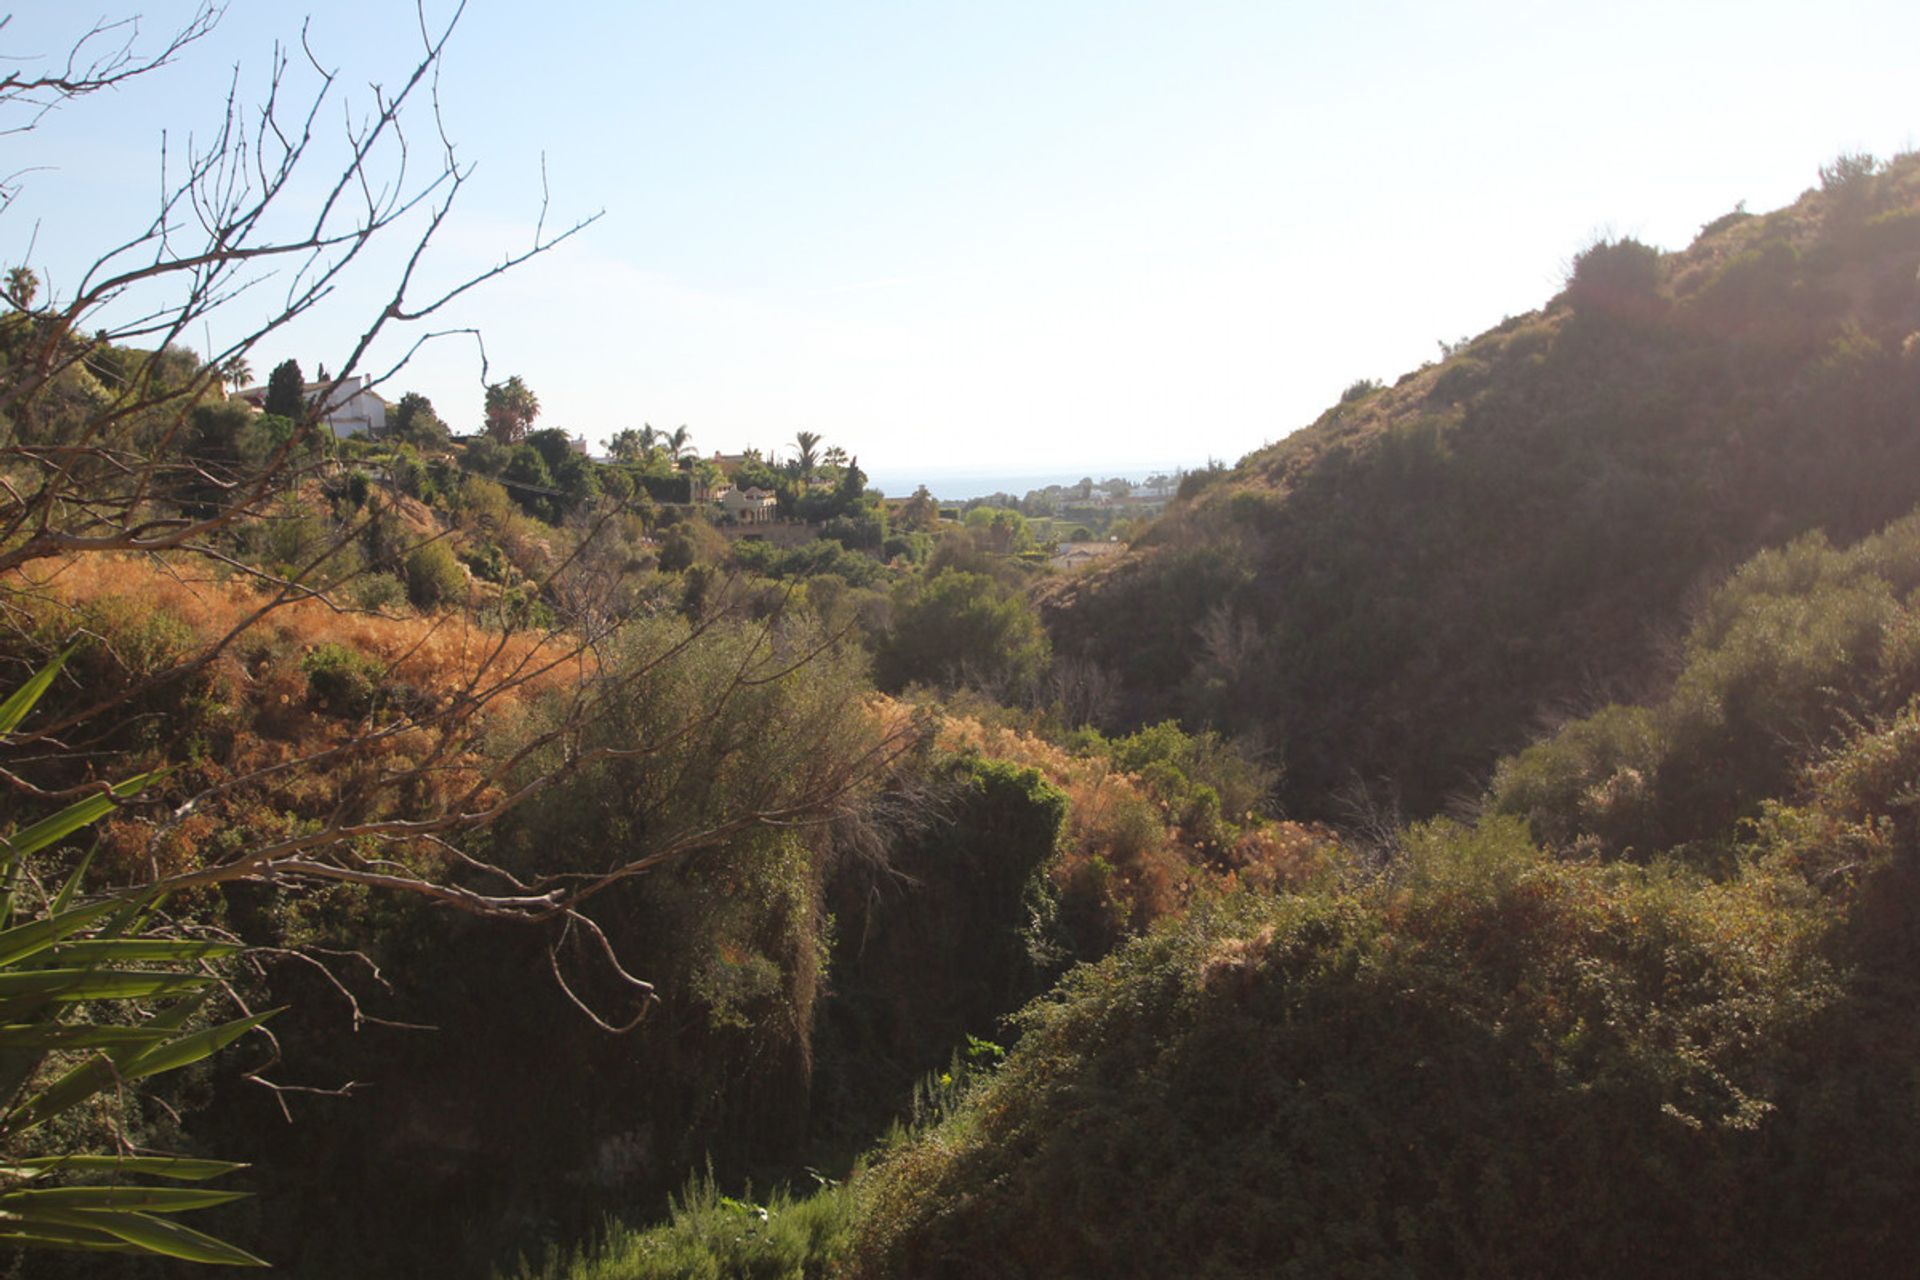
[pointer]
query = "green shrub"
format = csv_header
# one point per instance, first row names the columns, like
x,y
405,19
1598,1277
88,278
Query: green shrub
x,y
1848,173
1462,376
343,681
434,577
1734,217
963,628
487,560
1613,276
1798,643
1492,1065
377,591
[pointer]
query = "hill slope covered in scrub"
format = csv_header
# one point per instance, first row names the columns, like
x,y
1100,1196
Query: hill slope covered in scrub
x,y
1408,587
1515,1052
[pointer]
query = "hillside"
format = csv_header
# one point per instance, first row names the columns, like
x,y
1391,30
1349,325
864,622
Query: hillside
x,y
1419,580
1517,1052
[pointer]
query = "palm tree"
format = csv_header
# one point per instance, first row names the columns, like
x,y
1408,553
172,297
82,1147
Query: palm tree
x,y
807,445
23,286
235,372
676,444
834,457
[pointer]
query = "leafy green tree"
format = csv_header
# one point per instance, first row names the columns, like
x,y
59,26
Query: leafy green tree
x,y
511,409
631,445
1003,530
555,446
963,628
287,391
578,480
529,480
921,514
415,421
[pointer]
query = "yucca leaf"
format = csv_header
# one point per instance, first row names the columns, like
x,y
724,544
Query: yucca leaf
x,y
96,984
32,1200
178,1168
154,1235
174,1054
45,1038
22,700
45,1235
61,899
95,1075
24,940
80,813
96,950
175,1016
134,1063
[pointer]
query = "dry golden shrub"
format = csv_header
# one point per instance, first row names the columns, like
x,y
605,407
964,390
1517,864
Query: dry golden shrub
x,y
258,712
441,654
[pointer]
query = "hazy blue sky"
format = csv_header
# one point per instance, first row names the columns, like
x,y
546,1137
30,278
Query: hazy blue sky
x,y
1048,234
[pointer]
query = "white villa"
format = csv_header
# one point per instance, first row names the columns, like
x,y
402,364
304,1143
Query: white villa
x,y
748,506
352,410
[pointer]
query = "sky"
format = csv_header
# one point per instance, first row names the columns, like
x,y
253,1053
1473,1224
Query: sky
x,y
1022,237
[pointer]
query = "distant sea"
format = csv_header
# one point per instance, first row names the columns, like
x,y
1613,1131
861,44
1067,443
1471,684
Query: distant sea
x,y
958,485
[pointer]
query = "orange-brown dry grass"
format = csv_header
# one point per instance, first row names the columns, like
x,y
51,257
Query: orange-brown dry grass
x,y
250,717
439,653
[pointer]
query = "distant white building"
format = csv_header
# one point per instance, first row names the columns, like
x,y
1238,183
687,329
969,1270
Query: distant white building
x,y
351,409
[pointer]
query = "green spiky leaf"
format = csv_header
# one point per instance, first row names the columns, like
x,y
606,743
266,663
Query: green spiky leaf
x,y
154,1235
178,1168
22,700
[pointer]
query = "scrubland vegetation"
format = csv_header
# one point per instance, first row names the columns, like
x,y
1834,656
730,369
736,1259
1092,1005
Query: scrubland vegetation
x,y
1473,836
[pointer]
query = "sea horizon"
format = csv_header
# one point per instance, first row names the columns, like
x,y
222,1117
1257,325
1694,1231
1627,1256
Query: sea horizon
x,y
961,484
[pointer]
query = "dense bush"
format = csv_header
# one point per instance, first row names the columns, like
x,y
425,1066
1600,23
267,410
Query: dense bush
x,y
1614,275
342,681
1800,643
378,591
1493,1064
962,628
434,577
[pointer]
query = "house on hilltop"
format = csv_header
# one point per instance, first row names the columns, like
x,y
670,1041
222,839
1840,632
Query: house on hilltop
x,y
352,409
748,506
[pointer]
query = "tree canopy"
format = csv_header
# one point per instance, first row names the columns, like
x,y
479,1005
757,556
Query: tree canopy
x,y
511,409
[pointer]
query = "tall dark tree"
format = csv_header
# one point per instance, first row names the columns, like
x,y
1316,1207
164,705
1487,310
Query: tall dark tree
x,y
287,390
554,445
